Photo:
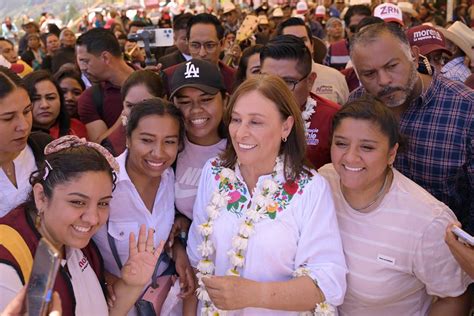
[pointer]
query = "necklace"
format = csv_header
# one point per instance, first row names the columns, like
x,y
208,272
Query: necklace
x,y
377,196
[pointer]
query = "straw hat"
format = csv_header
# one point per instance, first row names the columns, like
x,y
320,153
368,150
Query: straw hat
x,y
407,7
458,36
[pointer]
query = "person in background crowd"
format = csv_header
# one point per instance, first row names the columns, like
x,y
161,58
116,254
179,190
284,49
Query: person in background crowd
x,y
288,57
338,53
9,30
144,192
20,150
458,44
202,100
69,79
387,69
329,82
7,50
67,38
84,25
34,54
431,44
68,204
140,85
425,13
334,31
230,17
100,59
295,229
182,54
205,39
49,111
30,27
98,20
249,64
52,45
392,229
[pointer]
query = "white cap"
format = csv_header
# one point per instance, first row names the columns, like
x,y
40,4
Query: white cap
x,y
301,7
262,19
277,13
227,7
389,12
357,2
320,11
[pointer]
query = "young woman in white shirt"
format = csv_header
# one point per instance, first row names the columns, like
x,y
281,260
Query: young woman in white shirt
x,y
264,238
392,229
144,191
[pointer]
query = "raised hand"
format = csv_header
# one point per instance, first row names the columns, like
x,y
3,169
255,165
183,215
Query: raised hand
x,y
143,256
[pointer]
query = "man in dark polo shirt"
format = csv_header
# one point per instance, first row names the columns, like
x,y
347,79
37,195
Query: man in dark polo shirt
x,y
205,35
100,59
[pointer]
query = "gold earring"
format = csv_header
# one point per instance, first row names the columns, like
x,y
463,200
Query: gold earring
x,y
38,218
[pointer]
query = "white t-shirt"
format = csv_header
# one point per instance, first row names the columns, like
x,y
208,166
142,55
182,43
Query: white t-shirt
x,y
396,254
128,212
88,293
330,84
10,196
303,233
188,171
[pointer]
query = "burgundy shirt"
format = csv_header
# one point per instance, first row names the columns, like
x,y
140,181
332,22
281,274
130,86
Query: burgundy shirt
x,y
318,138
112,105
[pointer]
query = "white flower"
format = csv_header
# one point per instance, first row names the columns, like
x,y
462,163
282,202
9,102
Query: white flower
x,y
246,229
229,174
206,266
202,294
219,200
205,229
206,248
271,186
302,271
239,243
324,309
253,215
212,212
235,259
199,277
263,201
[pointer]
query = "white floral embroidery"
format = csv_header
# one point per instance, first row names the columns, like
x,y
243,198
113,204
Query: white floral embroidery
x,y
309,110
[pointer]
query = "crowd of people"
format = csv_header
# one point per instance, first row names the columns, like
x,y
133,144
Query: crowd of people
x,y
314,161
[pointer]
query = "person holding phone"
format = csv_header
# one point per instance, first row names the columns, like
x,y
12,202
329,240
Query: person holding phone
x,y
462,252
392,229
69,202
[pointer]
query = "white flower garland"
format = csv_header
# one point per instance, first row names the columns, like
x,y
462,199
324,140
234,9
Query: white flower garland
x,y
252,216
309,110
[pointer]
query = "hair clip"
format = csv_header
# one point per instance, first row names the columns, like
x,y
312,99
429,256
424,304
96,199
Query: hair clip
x,y
47,169
69,141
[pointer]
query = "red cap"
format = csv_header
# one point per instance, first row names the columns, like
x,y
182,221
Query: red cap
x,y
427,38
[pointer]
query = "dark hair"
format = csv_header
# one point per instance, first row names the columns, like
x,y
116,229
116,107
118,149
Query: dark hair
x,y
64,55
66,165
100,40
294,149
42,75
240,75
368,20
373,31
206,18
3,39
69,71
294,22
140,24
150,79
288,47
370,109
44,37
181,21
9,81
156,106
360,9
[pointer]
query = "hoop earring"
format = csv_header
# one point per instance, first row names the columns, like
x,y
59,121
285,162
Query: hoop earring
x,y
284,139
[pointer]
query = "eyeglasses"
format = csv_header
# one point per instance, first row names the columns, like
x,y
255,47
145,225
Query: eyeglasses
x,y
291,84
209,47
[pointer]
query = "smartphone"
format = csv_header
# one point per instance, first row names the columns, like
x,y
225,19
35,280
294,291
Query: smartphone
x,y
43,274
463,236
159,37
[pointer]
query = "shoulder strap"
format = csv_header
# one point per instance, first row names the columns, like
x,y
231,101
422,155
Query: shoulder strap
x,y
16,245
97,98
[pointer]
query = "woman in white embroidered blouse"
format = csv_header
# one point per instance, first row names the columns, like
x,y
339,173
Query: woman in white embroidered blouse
x,y
264,238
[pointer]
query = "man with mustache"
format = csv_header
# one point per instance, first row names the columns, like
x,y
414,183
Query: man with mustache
x,y
435,114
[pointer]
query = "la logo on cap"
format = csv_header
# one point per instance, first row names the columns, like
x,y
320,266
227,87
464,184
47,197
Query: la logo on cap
x,y
191,71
